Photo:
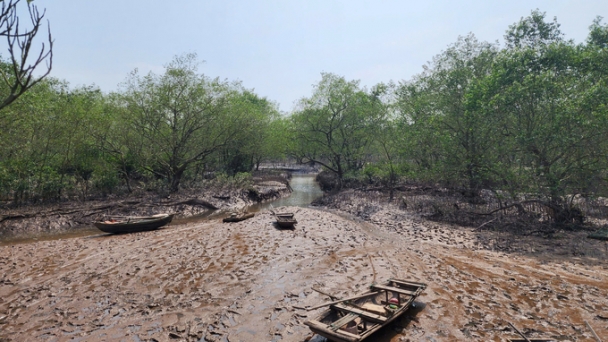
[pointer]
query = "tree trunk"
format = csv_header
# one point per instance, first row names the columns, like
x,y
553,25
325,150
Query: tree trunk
x,y
391,185
176,179
128,182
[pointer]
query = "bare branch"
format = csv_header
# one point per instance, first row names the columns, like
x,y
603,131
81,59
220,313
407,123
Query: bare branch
x,y
22,66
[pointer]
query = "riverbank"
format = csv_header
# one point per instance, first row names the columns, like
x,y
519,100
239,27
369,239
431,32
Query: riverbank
x,y
70,217
245,281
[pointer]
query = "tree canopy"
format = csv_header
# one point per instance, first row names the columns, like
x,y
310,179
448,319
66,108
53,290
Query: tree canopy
x,y
527,119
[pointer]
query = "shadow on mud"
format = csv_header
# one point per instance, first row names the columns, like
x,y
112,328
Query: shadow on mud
x,y
398,327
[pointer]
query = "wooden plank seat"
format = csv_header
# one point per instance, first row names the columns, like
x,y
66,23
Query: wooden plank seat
x,y
365,314
406,283
341,335
342,321
366,306
393,289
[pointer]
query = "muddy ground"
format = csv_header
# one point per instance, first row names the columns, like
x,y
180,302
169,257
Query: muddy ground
x,y
213,281
53,218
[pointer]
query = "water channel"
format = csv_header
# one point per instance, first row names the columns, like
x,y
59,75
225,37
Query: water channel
x,y
305,190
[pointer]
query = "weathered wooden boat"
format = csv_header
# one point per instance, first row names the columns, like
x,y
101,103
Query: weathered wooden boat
x,y
356,318
234,217
601,235
134,224
286,220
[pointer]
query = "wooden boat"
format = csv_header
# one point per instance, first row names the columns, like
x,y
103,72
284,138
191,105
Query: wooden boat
x,y
356,318
234,217
286,220
134,224
601,235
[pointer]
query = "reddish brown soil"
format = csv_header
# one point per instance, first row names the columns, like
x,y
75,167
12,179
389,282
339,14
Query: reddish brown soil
x,y
65,217
243,281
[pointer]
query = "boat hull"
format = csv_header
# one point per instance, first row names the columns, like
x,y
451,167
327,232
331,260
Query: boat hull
x,y
238,218
601,235
132,226
285,220
286,223
356,319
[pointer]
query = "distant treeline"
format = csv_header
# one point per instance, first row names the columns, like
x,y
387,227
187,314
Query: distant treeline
x,y
157,132
527,120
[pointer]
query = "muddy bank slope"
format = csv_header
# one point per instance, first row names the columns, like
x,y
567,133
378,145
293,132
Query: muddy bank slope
x,y
65,216
243,281
551,286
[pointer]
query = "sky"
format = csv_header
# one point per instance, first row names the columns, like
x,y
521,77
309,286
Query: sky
x,y
279,48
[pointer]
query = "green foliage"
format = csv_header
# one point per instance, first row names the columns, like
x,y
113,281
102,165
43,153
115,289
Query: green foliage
x,y
185,119
241,180
334,126
44,145
107,180
528,119
259,135
375,173
62,143
442,110
533,31
598,34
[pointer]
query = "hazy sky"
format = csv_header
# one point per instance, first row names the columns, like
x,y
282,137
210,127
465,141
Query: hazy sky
x,y
279,48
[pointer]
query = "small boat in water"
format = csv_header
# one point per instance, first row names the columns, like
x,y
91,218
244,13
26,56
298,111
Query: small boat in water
x,y
356,318
134,224
286,220
234,217
601,235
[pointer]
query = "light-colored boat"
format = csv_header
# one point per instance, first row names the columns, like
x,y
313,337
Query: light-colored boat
x,y
133,224
234,217
356,318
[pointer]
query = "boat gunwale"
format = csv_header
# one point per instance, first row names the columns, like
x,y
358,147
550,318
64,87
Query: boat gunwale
x,y
319,327
141,224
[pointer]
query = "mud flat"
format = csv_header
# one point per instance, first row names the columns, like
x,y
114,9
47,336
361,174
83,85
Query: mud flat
x,y
72,217
245,281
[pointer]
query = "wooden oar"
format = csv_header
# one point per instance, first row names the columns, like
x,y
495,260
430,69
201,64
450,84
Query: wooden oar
x,y
332,297
593,331
342,300
519,332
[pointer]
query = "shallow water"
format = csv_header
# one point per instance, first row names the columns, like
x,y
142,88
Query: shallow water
x,y
74,232
305,190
